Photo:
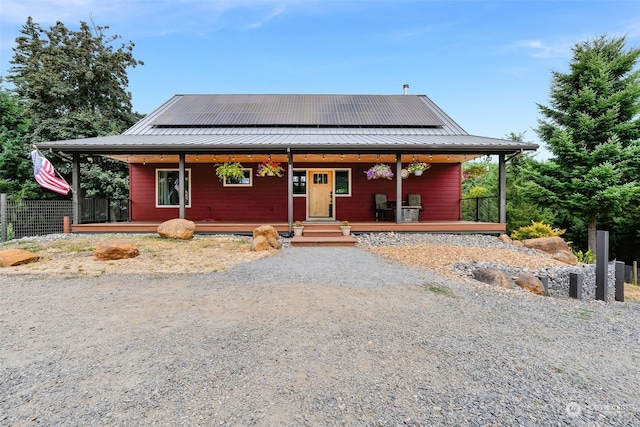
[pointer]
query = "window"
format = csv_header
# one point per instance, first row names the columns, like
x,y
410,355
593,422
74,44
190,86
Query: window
x,y
168,185
300,182
246,181
343,182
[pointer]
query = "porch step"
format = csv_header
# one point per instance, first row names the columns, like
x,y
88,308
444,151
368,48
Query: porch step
x,y
323,240
321,232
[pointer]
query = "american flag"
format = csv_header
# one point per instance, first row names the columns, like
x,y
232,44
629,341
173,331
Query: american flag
x,y
46,176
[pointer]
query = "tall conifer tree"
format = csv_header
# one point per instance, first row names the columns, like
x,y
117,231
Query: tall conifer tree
x,y
592,127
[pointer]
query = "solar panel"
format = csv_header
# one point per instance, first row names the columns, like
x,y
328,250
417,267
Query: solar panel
x,y
298,110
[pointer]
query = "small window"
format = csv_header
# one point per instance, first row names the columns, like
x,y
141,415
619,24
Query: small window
x,y
343,182
168,187
300,182
245,181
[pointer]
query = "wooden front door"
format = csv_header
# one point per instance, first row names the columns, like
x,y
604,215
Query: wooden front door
x,y
320,194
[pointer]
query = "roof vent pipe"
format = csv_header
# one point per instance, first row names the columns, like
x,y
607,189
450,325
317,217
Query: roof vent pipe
x,y
405,87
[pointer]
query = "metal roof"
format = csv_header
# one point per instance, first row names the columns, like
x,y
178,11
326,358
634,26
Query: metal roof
x,y
437,132
293,142
296,110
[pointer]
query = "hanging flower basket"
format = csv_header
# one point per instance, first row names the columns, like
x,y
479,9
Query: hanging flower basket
x,y
379,170
269,168
417,168
229,170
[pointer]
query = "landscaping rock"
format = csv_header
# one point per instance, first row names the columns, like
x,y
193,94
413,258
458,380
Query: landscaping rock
x,y
492,276
275,243
271,235
180,229
260,243
530,283
555,246
267,231
13,257
505,238
116,249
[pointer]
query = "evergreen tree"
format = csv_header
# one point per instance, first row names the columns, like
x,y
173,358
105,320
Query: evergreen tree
x,y
592,127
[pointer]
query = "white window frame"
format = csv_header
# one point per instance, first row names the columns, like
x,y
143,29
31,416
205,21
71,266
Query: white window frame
x,y
335,182
188,178
248,175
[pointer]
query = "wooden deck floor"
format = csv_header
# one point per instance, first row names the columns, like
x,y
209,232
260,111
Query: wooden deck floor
x,y
282,227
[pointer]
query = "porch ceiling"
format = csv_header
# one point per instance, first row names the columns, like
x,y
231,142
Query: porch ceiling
x,y
297,158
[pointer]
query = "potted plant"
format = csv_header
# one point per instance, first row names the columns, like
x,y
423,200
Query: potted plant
x,y
297,228
269,168
346,228
417,168
379,170
228,170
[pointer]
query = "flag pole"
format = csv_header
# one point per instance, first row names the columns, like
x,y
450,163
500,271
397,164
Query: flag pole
x,y
54,169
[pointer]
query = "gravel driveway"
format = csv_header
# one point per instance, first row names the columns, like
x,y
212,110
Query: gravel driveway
x,y
310,336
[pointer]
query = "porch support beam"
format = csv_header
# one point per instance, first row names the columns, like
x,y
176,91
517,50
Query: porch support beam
x,y
182,186
398,188
75,188
502,188
290,190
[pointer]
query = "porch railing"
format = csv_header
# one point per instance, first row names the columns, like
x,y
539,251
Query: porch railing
x,y
485,209
104,210
24,218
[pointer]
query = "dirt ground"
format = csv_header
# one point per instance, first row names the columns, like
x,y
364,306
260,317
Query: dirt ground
x,y
74,256
205,254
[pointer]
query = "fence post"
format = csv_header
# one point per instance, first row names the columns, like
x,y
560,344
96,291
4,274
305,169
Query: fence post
x,y
619,281
602,268
3,216
545,283
575,285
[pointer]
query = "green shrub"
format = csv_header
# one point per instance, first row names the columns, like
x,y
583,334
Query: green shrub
x,y
584,257
535,230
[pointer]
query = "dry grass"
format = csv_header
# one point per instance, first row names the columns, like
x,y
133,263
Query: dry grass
x,y
201,254
441,258
631,292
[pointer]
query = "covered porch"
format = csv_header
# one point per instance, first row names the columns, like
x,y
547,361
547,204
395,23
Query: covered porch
x,y
283,227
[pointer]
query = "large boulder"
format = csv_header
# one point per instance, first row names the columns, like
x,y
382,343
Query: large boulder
x,y
554,246
260,243
492,276
115,249
270,235
530,283
13,257
267,231
180,229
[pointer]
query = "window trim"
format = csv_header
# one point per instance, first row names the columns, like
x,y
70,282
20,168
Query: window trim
x,y
349,182
249,175
187,173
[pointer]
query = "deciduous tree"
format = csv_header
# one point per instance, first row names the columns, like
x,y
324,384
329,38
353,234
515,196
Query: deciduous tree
x,y
74,85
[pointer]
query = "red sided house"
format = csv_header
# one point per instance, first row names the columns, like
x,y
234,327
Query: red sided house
x,y
325,148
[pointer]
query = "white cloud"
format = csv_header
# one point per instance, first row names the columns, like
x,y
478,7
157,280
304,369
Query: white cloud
x,y
540,49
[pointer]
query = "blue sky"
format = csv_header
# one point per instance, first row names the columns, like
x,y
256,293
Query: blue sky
x,y
486,63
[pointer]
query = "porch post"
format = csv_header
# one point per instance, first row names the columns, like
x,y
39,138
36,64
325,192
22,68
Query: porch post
x,y
290,190
75,188
502,189
398,188
182,187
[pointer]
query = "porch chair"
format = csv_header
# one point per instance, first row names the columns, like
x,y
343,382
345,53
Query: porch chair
x,y
384,210
416,200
